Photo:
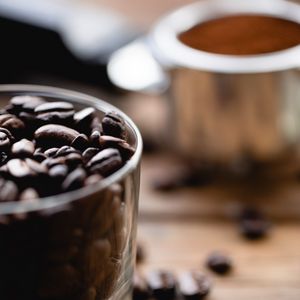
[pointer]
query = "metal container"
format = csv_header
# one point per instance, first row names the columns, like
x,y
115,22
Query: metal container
x,y
222,107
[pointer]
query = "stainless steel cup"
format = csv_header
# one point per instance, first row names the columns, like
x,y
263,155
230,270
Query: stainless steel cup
x,y
223,107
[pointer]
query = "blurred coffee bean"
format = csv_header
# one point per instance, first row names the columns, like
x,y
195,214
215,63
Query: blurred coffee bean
x,y
51,152
140,254
8,191
105,162
12,123
58,172
94,138
114,125
4,141
83,119
92,179
55,112
22,148
253,224
37,168
54,135
162,285
29,195
140,288
81,142
64,151
194,285
73,160
89,153
74,180
51,161
19,168
26,103
219,263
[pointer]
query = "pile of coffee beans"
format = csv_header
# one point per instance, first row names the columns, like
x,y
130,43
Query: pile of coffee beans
x,y
47,148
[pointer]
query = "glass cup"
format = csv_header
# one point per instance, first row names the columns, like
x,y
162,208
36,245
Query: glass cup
x,y
79,245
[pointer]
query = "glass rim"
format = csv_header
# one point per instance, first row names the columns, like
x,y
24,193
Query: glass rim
x,y
56,201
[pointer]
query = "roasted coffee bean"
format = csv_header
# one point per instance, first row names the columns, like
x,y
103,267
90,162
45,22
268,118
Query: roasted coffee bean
x,y
125,149
4,141
83,118
74,180
194,285
105,162
12,123
89,153
94,138
26,103
36,167
140,288
73,160
3,158
219,263
29,195
8,191
55,112
114,125
38,155
22,148
81,142
19,168
162,285
58,172
55,135
253,224
65,150
92,179
51,152
51,161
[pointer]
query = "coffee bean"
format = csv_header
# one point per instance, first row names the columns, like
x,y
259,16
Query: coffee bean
x,y
92,179
140,288
73,160
89,153
12,123
219,263
114,125
8,191
65,150
81,142
55,112
23,148
74,180
162,285
125,149
105,162
58,172
253,224
18,168
194,285
51,152
55,135
4,141
83,118
36,167
94,138
29,195
51,161
26,103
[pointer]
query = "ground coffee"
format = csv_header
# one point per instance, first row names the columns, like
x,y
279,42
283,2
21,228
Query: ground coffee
x,y
243,35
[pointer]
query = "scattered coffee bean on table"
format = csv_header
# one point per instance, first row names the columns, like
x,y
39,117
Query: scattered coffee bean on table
x,y
253,224
140,288
54,151
194,285
219,263
162,285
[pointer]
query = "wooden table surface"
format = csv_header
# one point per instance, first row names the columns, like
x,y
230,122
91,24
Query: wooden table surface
x,y
180,228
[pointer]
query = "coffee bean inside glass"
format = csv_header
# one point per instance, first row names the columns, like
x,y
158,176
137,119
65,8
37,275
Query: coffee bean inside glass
x,y
243,35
